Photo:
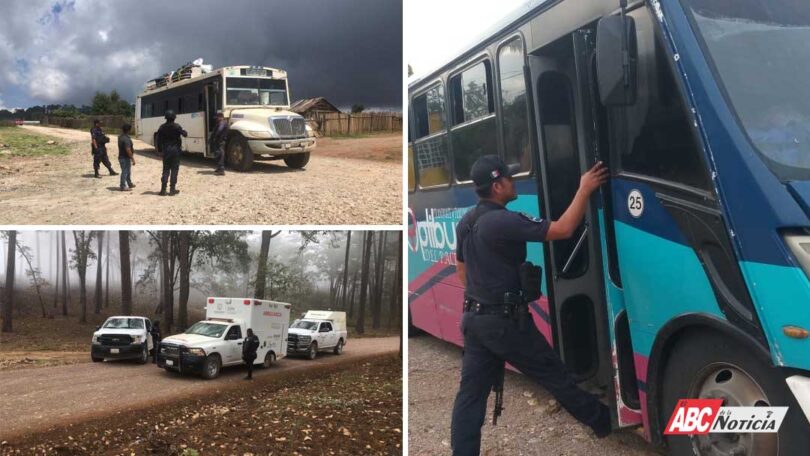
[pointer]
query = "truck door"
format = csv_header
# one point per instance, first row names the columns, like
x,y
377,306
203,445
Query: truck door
x,y
233,345
328,335
576,286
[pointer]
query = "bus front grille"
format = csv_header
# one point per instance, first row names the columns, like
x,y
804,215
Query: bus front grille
x,y
290,127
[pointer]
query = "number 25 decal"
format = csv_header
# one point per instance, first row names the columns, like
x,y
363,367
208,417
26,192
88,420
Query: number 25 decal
x,y
635,203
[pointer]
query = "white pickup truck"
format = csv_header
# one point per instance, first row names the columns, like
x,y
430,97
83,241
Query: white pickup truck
x,y
122,337
216,342
319,330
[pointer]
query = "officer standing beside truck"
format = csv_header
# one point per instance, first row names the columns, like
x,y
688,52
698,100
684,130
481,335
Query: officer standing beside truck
x,y
491,264
249,347
156,337
169,146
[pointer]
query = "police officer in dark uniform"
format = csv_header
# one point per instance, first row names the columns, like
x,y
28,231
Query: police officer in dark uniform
x,y
249,347
219,137
156,338
491,249
99,149
168,145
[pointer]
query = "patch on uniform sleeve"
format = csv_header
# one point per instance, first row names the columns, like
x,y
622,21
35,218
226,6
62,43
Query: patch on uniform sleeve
x,y
530,218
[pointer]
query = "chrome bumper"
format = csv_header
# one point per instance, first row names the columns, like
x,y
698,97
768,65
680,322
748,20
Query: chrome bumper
x,y
281,146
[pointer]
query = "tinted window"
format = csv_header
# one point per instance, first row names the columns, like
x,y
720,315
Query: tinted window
x,y
470,142
661,142
326,327
513,104
432,164
428,110
234,333
472,93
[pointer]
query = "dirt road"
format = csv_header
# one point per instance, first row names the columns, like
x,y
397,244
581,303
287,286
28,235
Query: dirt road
x,y
35,400
529,425
330,190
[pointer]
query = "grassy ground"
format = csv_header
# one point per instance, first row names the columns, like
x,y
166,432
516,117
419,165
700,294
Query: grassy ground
x,y
356,410
22,143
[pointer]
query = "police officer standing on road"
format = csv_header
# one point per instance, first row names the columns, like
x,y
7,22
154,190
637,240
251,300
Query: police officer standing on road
x,y
156,338
218,138
168,145
99,149
491,261
249,347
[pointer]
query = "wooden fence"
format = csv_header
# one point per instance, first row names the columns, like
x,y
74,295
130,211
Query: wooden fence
x,y
335,123
110,123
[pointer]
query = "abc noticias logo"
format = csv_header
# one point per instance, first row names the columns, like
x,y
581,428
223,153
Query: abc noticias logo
x,y
704,416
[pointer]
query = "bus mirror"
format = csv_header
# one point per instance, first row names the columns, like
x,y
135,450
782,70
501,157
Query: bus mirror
x,y
616,54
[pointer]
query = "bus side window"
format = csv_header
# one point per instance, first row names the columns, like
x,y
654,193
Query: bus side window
x,y
514,109
430,144
411,174
180,106
661,141
475,135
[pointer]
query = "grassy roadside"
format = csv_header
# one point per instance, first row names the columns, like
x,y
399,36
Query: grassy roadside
x,y
348,410
15,141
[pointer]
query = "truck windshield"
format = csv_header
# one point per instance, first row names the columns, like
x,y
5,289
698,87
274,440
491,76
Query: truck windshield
x,y
256,92
301,324
759,51
124,323
207,329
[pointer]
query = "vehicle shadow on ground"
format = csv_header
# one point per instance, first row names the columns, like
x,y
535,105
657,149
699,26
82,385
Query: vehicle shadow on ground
x,y
195,160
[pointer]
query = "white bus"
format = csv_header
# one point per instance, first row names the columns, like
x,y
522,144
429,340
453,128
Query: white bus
x,y
255,101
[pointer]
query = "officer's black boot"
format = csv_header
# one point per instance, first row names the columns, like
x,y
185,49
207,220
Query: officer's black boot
x,y
162,190
174,191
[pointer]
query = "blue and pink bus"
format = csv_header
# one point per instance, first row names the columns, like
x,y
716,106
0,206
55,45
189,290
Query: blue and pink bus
x,y
688,277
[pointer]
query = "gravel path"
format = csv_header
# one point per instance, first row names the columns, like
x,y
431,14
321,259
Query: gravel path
x,y
329,191
529,425
33,400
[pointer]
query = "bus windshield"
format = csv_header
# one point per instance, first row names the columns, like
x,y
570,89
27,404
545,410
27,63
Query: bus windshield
x,y
256,92
760,53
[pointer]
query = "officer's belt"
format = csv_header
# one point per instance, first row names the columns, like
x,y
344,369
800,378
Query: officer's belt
x,y
479,308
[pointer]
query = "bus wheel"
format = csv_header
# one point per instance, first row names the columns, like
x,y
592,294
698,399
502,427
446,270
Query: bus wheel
x,y
297,160
238,154
711,366
269,359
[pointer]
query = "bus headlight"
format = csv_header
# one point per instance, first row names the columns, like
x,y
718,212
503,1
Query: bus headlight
x,y
259,134
310,131
799,245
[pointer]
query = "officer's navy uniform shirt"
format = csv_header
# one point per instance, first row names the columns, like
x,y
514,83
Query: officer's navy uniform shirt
x,y
168,136
494,248
97,134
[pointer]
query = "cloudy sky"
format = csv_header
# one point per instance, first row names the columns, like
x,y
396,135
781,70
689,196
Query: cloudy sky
x,y
63,51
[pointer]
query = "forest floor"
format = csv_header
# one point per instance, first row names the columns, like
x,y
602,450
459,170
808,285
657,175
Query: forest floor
x,y
348,181
352,407
532,423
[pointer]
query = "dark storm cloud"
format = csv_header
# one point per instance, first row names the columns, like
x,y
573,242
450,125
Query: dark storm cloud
x,y
349,51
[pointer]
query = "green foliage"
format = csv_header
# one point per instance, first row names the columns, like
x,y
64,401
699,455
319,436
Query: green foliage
x,y
24,143
357,108
111,104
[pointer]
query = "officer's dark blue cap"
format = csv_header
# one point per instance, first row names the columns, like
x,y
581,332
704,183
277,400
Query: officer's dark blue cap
x,y
489,168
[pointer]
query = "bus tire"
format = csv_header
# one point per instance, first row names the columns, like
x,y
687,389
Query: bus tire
x,y
269,359
691,368
211,367
238,154
297,161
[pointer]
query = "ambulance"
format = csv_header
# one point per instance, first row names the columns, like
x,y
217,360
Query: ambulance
x,y
216,342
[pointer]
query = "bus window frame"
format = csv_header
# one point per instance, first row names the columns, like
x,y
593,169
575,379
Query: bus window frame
x,y
499,102
437,82
224,81
484,56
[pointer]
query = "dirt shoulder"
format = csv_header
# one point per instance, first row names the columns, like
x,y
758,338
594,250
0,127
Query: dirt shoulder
x,y
352,408
40,400
340,185
529,425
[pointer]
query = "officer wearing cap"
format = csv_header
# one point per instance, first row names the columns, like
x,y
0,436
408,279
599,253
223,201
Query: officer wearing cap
x,y
168,145
491,247
219,137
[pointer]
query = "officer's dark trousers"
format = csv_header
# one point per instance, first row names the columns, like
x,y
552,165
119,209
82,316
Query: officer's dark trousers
x,y
488,341
220,156
249,362
99,157
171,166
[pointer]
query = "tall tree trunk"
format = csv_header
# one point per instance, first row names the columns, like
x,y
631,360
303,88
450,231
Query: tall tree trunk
x,y
168,291
261,271
346,267
107,280
379,267
56,284
361,314
351,298
394,308
126,277
161,287
82,240
97,294
185,273
8,299
64,277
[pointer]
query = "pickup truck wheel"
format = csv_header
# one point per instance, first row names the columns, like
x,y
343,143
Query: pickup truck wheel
x,y
313,350
96,360
144,355
338,348
238,153
211,367
269,359
297,160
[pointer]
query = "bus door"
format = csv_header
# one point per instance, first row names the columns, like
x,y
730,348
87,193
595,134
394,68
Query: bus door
x,y
210,115
574,266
